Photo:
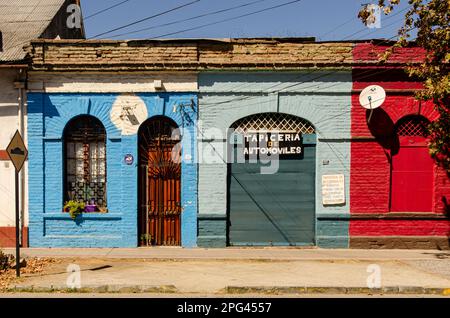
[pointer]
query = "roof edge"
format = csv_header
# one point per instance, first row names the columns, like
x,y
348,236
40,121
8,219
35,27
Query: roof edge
x,y
387,42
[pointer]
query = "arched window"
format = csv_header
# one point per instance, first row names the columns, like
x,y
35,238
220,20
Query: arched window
x,y
85,159
412,167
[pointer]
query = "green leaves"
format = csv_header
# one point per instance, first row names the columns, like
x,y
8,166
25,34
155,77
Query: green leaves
x,y
431,18
74,208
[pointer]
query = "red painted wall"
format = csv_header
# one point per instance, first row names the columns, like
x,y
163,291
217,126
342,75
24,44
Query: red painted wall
x,y
4,155
8,237
370,165
400,227
369,52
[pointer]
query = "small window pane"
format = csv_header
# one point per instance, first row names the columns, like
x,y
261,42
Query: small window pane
x,y
79,150
70,150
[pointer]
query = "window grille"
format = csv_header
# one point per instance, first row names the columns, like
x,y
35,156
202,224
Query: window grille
x,y
412,126
273,122
85,157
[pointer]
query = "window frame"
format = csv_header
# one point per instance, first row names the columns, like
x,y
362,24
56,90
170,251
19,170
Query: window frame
x,y
96,124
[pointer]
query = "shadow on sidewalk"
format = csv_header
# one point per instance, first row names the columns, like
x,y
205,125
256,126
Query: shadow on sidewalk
x,y
83,270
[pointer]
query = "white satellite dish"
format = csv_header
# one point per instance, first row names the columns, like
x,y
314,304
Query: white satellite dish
x,y
372,97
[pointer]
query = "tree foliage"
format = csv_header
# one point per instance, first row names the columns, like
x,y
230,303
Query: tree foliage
x,y
431,20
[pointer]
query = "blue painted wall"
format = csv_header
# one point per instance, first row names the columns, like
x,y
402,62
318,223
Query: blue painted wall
x,y
48,115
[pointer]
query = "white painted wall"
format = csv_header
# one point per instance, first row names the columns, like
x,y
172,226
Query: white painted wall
x,y
9,123
6,194
111,82
8,106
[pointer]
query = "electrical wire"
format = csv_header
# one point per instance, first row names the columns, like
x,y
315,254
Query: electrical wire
x,y
109,31
225,20
338,27
146,18
296,84
362,30
105,9
182,31
189,19
339,157
390,17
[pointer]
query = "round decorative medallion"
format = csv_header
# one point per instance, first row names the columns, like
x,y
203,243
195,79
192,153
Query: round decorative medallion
x,y
128,113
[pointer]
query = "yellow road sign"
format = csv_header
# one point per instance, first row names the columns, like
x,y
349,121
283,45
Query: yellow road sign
x,y
17,151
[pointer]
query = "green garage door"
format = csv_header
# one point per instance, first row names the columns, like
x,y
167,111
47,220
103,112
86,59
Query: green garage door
x,y
274,209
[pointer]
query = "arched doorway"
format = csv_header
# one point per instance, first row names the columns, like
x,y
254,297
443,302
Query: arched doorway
x,y
159,183
277,208
412,167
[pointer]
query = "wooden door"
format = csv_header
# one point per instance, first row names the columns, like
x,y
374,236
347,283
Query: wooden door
x,y
160,184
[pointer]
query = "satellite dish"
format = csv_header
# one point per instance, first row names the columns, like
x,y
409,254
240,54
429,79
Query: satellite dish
x,y
372,97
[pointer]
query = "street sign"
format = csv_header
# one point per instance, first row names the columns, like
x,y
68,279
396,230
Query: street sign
x,y
17,151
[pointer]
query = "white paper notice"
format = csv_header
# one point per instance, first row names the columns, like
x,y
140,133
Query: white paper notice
x,y
333,189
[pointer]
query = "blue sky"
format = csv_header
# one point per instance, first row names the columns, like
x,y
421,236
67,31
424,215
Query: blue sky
x,y
324,19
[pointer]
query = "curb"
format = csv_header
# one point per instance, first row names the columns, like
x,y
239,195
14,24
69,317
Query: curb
x,y
120,289
392,290
236,290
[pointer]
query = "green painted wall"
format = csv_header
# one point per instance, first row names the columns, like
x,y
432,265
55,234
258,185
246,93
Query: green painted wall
x,y
321,97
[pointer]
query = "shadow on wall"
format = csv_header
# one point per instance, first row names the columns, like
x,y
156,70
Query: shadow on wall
x,y
446,207
447,214
48,108
382,128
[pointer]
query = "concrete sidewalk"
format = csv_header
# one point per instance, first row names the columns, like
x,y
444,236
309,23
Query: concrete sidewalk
x,y
267,253
242,270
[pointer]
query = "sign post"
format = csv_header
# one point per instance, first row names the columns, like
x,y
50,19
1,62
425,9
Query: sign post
x,y
18,153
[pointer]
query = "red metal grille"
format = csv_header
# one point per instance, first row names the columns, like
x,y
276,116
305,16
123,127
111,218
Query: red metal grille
x,y
412,126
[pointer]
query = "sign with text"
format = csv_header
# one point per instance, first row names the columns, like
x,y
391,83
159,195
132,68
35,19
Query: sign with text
x,y
333,189
271,143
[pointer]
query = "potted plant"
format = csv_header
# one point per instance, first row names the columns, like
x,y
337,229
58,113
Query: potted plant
x,y
91,207
74,208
